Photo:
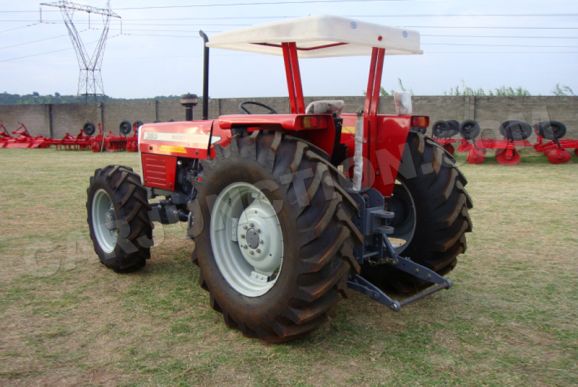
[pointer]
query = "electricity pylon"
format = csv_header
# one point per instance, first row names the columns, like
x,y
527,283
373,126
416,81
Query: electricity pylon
x,y
90,65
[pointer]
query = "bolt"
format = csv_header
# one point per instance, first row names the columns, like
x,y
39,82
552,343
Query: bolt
x,y
252,253
242,236
259,231
261,242
245,247
258,251
245,228
252,225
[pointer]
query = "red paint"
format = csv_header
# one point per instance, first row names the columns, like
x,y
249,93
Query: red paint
x,y
291,122
558,156
306,48
159,171
191,138
476,156
382,163
293,75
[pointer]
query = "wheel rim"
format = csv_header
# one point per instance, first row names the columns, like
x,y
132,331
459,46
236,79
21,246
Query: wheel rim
x,y
104,221
405,215
246,239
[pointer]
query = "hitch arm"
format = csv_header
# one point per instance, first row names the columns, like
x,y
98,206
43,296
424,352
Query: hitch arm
x,y
408,266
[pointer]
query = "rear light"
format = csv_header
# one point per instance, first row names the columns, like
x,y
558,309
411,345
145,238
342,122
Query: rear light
x,y
313,122
420,122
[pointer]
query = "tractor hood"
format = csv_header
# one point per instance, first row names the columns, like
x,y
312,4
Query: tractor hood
x,y
320,36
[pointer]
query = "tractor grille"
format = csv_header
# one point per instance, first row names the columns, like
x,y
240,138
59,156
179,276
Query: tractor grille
x,y
159,171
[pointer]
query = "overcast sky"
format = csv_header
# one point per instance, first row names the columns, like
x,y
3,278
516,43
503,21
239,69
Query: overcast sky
x,y
527,43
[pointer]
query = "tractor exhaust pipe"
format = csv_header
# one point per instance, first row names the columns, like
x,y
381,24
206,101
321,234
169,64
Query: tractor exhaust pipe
x,y
205,75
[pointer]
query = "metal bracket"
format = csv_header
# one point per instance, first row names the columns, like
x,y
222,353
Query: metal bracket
x,y
408,266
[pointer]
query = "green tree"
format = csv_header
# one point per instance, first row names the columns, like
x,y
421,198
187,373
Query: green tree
x,y
562,90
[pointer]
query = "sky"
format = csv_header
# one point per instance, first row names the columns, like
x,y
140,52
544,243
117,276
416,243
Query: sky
x,y
479,43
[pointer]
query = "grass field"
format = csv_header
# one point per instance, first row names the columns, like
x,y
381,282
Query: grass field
x,y
510,319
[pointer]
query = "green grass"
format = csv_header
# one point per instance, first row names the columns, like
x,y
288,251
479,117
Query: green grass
x,y
65,319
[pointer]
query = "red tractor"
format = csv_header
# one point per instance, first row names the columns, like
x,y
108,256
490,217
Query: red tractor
x,y
286,210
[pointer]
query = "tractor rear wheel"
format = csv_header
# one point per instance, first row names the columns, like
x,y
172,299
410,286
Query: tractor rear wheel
x,y
431,214
118,219
274,235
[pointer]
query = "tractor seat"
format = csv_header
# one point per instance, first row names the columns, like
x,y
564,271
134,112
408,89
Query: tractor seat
x,y
334,106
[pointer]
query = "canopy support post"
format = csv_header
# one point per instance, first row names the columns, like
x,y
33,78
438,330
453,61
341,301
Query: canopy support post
x,y
371,105
293,74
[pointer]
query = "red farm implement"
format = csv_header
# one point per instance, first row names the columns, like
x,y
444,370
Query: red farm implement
x,y
132,141
444,132
4,135
82,141
21,138
117,143
279,230
556,149
515,135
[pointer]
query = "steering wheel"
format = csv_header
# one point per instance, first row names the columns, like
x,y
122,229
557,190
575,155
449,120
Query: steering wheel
x,y
244,110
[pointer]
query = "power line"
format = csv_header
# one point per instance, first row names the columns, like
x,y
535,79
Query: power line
x,y
241,4
23,11
166,35
424,43
374,16
429,52
48,52
423,35
19,28
193,33
416,15
493,27
129,23
501,53
37,54
499,36
34,41
495,45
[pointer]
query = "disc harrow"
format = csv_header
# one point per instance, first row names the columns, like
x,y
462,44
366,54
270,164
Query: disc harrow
x,y
515,136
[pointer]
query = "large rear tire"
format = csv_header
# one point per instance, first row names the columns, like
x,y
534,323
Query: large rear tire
x,y
308,239
118,220
431,207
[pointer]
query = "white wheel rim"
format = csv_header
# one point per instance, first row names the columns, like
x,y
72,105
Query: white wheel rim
x,y
104,221
246,239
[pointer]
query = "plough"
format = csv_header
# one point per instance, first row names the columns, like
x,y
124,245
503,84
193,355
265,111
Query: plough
x,y
515,136
22,138
69,142
4,135
84,140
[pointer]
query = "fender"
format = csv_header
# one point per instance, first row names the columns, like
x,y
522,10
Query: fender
x,y
383,147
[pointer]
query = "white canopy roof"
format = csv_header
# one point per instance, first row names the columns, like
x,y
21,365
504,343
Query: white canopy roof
x,y
320,36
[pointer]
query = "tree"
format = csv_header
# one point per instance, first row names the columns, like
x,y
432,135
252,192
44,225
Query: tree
x,y
562,90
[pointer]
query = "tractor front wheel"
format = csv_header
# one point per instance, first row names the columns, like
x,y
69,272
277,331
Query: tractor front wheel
x,y
274,235
118,220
